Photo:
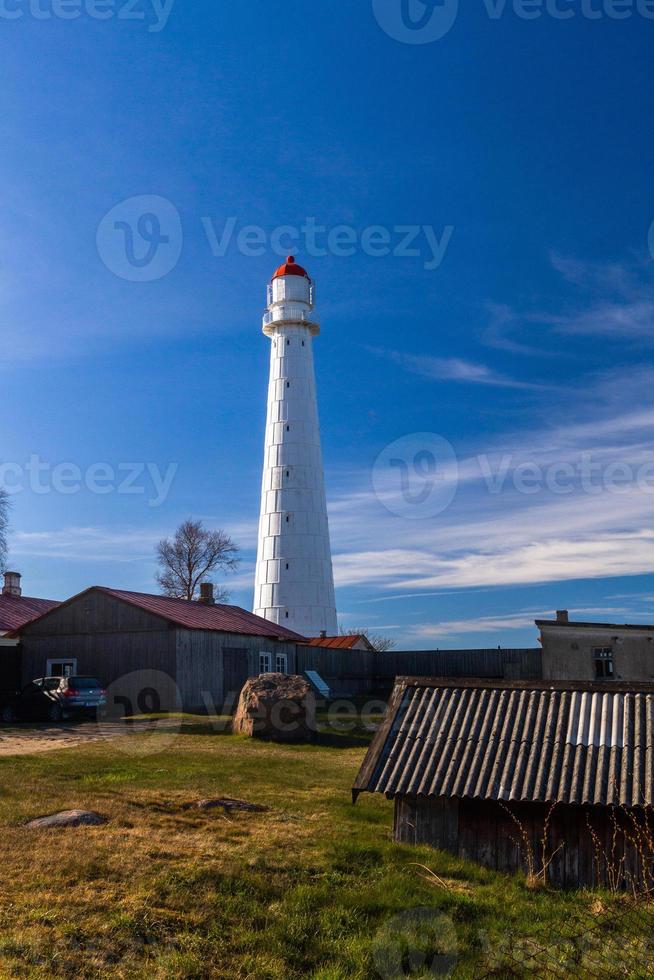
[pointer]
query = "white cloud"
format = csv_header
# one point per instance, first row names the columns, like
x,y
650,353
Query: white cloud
x,y
453,369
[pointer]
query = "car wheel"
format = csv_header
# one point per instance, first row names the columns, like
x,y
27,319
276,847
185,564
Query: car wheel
x,y
55,713
7,715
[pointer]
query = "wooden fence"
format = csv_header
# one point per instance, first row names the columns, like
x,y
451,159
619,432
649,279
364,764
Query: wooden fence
x,y
363,672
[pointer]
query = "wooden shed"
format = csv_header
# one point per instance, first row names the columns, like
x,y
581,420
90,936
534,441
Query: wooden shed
x,y
182,654
551,778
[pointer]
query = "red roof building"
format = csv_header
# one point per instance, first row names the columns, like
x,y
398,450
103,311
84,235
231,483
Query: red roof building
x,y
16,609
156,652
354,641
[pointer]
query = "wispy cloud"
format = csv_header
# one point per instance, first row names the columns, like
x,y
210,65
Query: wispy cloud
x,y
609,299
496,533
453,369
483,625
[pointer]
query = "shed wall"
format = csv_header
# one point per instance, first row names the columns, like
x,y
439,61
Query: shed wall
x,y
485,832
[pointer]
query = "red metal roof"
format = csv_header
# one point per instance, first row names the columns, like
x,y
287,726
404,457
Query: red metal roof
x,y
16,611
197,616
340,642
291,268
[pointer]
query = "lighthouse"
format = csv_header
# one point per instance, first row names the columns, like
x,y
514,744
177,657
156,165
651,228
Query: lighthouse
x,y
294,583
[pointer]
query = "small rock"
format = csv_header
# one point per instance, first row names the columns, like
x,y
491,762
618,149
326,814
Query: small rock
x,y
68,818
228,805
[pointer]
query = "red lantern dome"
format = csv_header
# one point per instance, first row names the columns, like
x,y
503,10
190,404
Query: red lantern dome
x,y
291,268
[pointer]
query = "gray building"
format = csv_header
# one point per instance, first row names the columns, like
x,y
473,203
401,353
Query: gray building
x,y
595,651
154,651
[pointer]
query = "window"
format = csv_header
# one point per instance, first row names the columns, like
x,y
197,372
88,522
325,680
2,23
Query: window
x,y
61,668
603,658
265,663
281,663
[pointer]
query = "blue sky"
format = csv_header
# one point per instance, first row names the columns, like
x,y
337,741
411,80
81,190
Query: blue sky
x,y
522,146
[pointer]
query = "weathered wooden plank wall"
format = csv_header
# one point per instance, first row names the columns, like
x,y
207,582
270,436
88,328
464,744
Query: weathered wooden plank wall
x,y
485,832
363,672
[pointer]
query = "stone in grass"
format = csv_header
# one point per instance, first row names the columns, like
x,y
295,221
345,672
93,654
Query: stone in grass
x,y
280,707
68,818
228,805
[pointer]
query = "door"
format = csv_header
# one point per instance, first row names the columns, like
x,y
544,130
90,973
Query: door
x,y
235,674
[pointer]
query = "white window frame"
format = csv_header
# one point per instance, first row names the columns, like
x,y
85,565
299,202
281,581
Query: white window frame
x,y
265,662
61,660
281,663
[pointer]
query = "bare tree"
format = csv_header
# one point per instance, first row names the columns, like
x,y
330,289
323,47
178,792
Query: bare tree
x,y
4,527
377,641
191,556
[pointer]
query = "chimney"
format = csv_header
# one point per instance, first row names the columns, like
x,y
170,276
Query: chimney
x,y
323,634
206,594
12,584
562,616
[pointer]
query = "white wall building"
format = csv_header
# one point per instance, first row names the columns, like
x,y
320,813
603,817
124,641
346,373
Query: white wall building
x,y
294,584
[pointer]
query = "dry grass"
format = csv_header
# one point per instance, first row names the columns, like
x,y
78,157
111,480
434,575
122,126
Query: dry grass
x,y
163,891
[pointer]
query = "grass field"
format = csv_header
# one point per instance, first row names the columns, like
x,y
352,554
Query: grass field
x,y
314,887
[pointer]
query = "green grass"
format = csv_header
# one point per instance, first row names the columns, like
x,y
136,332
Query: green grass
x,y
313,888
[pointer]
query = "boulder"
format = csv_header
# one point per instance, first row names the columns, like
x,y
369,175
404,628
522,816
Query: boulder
x,y
68,818
279,707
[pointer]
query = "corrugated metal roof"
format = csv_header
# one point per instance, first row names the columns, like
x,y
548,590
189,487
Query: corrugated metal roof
x,y
197,616
340,642
568,743
16,611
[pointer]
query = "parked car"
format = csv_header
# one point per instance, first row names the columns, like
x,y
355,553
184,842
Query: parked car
x,y
55,698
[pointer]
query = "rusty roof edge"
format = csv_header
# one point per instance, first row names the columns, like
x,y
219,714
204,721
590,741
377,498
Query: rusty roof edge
x,y
604,687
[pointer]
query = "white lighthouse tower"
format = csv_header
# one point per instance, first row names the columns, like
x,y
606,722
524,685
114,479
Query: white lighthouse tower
x,y
294,584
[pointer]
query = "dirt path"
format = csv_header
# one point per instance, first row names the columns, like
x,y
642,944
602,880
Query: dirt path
x,y
28,739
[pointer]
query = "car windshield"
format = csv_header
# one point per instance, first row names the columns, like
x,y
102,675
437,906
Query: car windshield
x,y
83,683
